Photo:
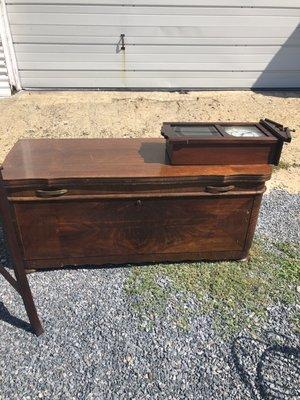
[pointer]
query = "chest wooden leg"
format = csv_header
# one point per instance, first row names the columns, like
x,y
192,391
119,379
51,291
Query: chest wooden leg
x,y
20,283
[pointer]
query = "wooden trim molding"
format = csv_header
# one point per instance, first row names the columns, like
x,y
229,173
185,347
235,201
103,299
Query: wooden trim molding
x,y
9,51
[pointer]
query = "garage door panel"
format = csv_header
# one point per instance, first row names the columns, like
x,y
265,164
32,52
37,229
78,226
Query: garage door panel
x,y
289,60
200,3
165,66
156,11
246,43
162,82
177,79
144,33
147,20
29,49
150,74
160,41
214,30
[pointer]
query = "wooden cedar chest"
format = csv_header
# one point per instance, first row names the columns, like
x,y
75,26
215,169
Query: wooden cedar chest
x,y
97,201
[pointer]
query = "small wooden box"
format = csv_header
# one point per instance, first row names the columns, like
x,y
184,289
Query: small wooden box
x,y
224,143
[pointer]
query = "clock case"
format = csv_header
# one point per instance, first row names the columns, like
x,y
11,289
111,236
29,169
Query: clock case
x,y
210,143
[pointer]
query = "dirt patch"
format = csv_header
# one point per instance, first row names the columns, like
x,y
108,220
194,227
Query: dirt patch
x,y
125,114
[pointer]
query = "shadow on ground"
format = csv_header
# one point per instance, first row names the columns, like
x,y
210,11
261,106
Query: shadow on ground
x,y
292,94
10,319
269,370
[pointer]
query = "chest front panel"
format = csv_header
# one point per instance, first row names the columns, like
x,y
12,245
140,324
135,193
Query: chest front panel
x,y
145,226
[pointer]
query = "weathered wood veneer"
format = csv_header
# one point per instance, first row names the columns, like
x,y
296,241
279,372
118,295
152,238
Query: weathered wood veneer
x,y
97,201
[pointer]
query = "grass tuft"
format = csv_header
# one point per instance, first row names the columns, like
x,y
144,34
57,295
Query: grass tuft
x,y
235,294
286,165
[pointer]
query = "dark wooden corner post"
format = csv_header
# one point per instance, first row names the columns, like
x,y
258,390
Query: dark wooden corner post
x,y
20,282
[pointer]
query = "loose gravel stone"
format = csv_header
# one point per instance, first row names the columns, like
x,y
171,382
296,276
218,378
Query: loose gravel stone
x,y
279,218
96,347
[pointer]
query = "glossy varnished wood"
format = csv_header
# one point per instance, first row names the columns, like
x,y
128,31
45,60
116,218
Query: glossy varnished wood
x,y
97,201
210,153
133,227
219,147
20,282
90,161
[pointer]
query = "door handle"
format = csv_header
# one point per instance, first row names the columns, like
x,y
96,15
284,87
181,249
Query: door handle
x,y
219,189
51,193
122,40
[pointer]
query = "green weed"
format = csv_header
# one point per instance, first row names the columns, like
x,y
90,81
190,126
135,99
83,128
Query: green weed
x,y
235,294
286,165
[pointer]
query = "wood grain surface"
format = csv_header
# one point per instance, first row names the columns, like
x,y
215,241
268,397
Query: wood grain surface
x,y
56,161
132,227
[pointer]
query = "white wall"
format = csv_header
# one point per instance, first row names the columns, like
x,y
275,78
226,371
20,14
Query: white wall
x,y
4,84
169,43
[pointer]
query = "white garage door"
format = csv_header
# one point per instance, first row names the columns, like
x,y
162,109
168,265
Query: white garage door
x,y
168,43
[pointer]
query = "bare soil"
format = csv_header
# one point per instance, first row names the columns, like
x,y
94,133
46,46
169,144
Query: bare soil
x,y
139,114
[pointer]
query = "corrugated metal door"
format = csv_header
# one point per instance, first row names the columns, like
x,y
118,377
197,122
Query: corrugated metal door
x,y
4,82
168,43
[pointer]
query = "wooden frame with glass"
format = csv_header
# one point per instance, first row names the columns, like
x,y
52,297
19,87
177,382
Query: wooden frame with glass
x,y
225,142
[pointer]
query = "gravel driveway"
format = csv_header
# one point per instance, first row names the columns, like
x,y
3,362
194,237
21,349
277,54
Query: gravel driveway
x,y
96,347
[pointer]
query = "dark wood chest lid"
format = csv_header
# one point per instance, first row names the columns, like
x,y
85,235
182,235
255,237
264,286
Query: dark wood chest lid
x,y
87,161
